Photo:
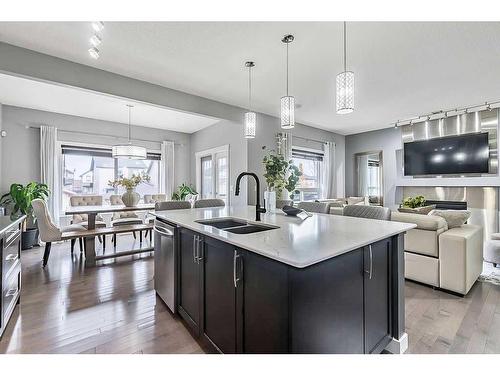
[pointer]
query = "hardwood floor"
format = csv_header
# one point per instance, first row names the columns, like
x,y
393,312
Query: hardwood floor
x,y
113,309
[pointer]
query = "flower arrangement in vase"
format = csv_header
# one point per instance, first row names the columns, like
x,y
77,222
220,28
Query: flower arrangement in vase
x,y
130,198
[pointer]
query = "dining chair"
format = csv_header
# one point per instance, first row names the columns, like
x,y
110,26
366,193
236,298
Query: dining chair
x,y
49,232
317,207
213,202
123,218
368,212
280,203
154,198
83,219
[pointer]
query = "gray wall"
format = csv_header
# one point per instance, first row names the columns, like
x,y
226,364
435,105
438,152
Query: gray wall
x,y
388,141
20,150
220,134
268,127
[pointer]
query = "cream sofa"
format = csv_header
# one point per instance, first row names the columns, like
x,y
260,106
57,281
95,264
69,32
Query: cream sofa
x,y
449,259
337,204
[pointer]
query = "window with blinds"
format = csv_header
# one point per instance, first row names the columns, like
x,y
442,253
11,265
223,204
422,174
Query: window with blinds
x,y
88,170
310,163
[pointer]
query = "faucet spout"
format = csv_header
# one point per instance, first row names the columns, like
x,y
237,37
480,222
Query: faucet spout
x,y
258,208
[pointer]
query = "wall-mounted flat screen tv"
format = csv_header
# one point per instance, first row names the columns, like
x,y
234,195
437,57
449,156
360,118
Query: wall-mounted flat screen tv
x,y
460,154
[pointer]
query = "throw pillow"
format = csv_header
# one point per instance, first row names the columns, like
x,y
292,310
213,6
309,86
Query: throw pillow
x,y
454,218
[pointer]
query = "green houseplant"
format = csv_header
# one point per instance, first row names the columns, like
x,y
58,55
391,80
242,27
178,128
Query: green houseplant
x,y
416,205
182,191
280,174
130,198
20,198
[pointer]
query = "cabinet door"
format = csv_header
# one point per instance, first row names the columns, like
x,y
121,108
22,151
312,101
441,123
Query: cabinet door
x,y
265,314
327,306
189,280
219,294
377,295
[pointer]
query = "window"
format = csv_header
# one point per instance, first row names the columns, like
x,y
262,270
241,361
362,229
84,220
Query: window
x,y
309,163
88,170
212,173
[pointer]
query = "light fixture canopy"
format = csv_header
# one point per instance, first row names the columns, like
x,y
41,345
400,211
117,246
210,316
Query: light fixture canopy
x,y
287,102
129,150
345,86
98,26
94,53
250,117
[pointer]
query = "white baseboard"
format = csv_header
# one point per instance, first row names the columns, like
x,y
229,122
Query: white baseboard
x,y
398,346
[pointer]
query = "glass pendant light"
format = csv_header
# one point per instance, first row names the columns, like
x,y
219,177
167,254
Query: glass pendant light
x,y
345,86
250,117
287,102
128,150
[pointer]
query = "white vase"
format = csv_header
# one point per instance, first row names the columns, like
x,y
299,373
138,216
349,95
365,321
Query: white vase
x,y
130,198
270,201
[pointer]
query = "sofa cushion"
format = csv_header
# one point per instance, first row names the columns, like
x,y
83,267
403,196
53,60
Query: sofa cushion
x,y
355,200
423,242
422,269
454,218
424,222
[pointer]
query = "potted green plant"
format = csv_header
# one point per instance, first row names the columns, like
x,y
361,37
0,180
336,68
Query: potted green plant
x,y
21,197
182,192
416,205
130,198
280,174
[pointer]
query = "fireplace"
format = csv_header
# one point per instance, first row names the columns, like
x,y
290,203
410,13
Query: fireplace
x,y
447,205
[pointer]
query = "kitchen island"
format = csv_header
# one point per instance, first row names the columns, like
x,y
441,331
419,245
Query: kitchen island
x,y
327,284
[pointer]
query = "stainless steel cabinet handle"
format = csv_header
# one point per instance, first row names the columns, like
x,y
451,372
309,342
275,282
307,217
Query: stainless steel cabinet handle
x,y
194,248
11,292
201,249
12,257
371,261
235,263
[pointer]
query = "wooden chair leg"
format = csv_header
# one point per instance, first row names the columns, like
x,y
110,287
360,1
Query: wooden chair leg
x,y
114,240
140,236
73,245
150,235
134,235
99,238
104,244
80,242
46,253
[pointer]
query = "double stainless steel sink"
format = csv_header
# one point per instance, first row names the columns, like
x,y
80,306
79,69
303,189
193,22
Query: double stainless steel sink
x,y
237,226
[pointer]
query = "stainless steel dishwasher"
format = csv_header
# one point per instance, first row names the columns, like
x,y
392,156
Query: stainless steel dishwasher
x,y
165,261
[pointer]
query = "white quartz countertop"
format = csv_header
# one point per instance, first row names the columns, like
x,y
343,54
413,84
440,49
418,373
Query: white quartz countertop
x,y
299,243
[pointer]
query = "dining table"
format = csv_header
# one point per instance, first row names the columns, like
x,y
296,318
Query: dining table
x,y
92,211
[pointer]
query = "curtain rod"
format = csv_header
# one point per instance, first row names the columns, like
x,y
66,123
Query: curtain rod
x,y
309,139
106,135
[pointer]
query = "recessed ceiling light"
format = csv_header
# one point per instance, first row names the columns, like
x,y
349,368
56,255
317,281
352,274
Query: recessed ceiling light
x,y
94,53
95,40
98,25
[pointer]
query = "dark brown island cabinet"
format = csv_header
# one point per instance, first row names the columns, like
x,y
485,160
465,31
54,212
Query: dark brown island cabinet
x,y
10,246
237,301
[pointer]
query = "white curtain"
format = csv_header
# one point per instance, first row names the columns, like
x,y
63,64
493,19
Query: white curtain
x,y
328,171
49,171
167,168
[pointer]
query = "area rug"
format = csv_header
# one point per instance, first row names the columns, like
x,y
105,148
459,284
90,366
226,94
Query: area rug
x,y
490,276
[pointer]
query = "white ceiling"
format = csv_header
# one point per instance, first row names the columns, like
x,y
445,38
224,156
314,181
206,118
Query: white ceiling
x,y
402,69
22,92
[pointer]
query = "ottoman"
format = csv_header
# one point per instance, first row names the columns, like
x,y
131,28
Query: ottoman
x,y
492,249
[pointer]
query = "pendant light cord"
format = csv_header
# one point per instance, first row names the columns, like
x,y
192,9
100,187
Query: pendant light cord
x,y
249,88
129,107
345,54
287,69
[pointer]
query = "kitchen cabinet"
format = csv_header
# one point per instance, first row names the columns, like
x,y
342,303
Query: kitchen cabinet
x,y
242,302
189,293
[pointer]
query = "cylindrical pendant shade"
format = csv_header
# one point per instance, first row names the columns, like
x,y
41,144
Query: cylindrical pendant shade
x,y
129,151
287,112
345,92
250,122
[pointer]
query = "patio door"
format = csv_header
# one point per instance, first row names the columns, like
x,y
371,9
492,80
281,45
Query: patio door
x,y
212,173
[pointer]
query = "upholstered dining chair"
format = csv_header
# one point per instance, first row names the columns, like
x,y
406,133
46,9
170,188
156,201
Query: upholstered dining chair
x,y
368,212
164,206
213,202
83,219
123,218
154,198
49,232
280,203
317,207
